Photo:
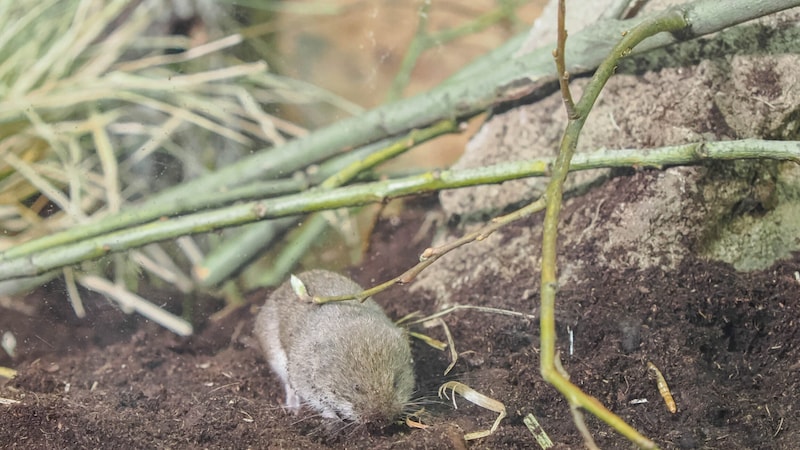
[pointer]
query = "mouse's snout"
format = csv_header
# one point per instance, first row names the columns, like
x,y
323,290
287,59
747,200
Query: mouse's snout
x,y
383,408
380,376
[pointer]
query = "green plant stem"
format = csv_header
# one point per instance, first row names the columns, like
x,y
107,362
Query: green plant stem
x,y
418,44
316,223
423,41
240,248
312,228
152,211
414,138
143,213
669,21
59,255
14,285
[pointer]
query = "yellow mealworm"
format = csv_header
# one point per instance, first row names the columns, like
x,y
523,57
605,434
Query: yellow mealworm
x,y
663,389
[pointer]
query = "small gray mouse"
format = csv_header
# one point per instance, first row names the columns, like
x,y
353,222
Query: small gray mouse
x,y
345,360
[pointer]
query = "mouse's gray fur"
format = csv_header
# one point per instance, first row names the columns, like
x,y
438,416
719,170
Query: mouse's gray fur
x,y
346,360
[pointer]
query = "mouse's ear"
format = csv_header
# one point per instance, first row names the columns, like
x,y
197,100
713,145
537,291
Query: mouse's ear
x,y
299,289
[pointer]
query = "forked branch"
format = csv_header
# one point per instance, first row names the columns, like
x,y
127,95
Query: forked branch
x,y
669,21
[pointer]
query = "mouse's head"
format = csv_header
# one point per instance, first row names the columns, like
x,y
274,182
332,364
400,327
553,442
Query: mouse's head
x,y
361,371
381,383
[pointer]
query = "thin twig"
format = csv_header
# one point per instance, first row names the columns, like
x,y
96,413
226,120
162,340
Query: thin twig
x,y
484,309
577,415
188,55
561,67
431,254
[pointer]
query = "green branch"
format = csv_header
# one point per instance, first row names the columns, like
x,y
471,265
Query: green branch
x,y
36,262
329,172
239,249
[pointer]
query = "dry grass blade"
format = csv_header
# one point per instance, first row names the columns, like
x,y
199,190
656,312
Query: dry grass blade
x,y
411,423
73,294
431,342
93,99
476,398
130,301
451,344
57,59
79,84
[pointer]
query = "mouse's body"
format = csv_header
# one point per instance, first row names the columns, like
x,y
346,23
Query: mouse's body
x,y
345,360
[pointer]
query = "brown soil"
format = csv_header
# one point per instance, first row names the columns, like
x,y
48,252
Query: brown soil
x,y
728,343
